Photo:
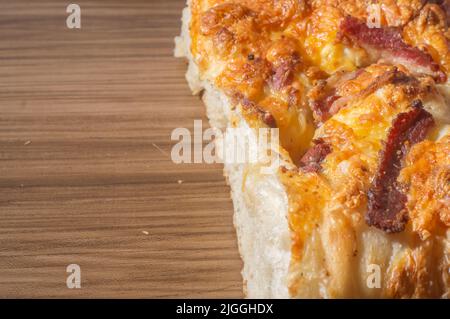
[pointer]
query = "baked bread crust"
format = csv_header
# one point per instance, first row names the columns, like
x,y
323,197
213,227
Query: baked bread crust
x,y
334,77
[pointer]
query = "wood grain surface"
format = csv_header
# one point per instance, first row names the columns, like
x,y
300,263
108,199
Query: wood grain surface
x,y
85,171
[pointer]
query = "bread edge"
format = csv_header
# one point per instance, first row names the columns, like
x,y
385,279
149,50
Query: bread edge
x,y
260,220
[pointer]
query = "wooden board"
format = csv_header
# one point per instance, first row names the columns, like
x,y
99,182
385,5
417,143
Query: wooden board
x,y
85,171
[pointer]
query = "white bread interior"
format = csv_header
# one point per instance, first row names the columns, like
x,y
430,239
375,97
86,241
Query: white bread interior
x,y
260,200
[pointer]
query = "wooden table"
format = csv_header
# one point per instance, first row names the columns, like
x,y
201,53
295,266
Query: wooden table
x,y
85,171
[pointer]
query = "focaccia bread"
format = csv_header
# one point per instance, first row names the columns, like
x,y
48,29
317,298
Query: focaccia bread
x,y
359,205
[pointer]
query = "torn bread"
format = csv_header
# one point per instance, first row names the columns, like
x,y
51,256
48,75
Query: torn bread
x,y
359,206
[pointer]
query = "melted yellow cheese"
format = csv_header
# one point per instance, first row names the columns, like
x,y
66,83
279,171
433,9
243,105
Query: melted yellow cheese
x,y
266,55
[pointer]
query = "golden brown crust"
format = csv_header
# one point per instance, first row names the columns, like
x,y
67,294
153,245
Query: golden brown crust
x,y
429,31
388,12
275,59
427,175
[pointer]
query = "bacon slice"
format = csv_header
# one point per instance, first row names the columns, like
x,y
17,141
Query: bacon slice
x,y
312,159
251,106
283,74
323,96
321,106
325,100
387,43
387,201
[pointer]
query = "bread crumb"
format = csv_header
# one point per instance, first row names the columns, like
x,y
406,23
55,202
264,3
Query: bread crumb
x,y
180,181
27,143
145,232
